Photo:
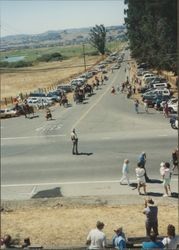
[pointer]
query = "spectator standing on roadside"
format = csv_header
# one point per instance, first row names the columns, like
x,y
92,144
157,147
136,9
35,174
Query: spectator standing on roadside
x,y
96,239
167,179
142,160
153,243
125,172
74,139
140,172
146,106
171,241
165,109
175,157
134,89
151,212
136,105
119,240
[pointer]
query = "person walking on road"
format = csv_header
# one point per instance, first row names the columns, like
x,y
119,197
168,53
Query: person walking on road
x,y
136,104
175,158
142,160
146,106
125,172
167,179
140,172
74,139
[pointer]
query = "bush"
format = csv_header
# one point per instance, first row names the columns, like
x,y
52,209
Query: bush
x,y
19,64
50,57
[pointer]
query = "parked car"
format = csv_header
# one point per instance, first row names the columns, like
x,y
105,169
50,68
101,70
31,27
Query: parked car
x,y
54,97
67,88
145,76
153,99
172,105
116,66
174,122
7,113
163,92
41,96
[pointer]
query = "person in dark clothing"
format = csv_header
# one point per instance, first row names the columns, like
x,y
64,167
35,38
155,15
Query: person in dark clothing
x,y
142,161
151,212
175,157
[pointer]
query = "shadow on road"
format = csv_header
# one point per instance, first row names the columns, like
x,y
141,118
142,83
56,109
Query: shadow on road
x,y
155,181
49,193
82,153
32,117
155,194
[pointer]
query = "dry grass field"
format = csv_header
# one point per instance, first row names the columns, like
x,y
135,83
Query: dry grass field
x,y
61,225
44,75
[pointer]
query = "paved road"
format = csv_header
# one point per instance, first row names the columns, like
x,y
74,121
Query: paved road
x,y
36,157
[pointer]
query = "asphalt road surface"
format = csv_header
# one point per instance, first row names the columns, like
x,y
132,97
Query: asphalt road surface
x,y
36,157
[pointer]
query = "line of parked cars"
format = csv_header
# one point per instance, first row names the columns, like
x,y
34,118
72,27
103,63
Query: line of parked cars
x,y
156,92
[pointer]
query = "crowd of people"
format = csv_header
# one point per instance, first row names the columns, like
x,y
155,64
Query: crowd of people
x,y
166,170
96,239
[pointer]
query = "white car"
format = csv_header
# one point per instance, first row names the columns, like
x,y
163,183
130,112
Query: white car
x,y
7,113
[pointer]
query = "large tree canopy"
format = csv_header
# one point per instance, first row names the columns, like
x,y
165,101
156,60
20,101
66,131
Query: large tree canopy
x,y
152,32
98,38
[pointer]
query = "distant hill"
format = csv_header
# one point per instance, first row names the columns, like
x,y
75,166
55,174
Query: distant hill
x,y
60,37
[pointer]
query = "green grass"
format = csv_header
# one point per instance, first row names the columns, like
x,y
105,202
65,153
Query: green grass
x,y
66,51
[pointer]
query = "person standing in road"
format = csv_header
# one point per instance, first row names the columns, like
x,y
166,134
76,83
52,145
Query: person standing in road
x,y
74,139
151,212
125,172
96,239
136,104
140,172
146,106
167,179
175,158
142,160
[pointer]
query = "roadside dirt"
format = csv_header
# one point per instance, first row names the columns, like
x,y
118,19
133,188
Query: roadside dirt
x,y
66,222
44,76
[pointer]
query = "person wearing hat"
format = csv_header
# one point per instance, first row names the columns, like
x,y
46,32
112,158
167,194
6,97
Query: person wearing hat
x,y
119,240
96,239
151,212
74,139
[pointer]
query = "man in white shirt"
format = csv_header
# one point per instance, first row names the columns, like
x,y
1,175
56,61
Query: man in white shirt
x,y
96,239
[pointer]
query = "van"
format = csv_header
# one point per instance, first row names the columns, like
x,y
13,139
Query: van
x,y
162,92
160,85
147,76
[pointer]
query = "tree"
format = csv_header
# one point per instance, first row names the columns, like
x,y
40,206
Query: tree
x,y
98,38
152,32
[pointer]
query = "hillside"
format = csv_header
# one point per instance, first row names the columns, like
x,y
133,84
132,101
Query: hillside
x,y
54,38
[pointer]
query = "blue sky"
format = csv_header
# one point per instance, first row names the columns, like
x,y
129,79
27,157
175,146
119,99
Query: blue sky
x,y
37,16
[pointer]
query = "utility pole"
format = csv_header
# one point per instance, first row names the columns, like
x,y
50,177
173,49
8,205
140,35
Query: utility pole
x,y
84,57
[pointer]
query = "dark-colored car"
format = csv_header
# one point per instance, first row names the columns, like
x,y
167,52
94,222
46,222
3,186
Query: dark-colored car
x,y
66,88
154,99
174,122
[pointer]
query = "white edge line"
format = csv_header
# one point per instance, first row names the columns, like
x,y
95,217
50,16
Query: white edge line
x,y
29,137
68,183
